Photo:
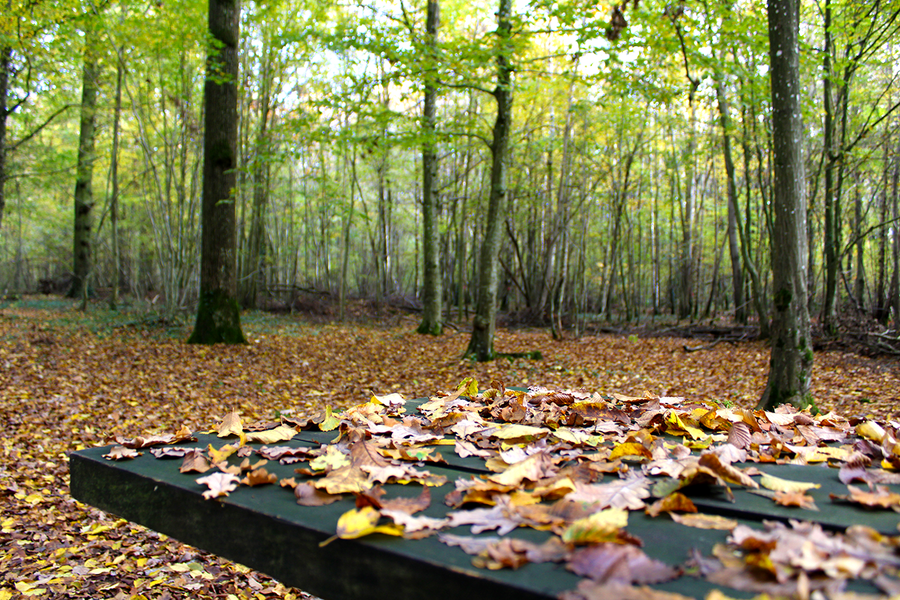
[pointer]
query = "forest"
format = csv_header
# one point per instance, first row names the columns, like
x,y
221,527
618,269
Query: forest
x,y
639,179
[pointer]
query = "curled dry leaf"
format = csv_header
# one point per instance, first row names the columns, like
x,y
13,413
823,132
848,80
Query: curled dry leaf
x,y
121,453
219,484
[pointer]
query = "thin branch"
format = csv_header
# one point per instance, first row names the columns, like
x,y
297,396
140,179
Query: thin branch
x,y
40,127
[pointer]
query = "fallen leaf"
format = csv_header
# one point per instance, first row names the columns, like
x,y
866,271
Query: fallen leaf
x,y
602,526
230,425
219,484
702,521
121,453
620,563
282,433
776,484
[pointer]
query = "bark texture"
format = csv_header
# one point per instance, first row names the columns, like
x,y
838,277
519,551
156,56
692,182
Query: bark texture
x,y
218,314
481,344
84,194
431,287
792,357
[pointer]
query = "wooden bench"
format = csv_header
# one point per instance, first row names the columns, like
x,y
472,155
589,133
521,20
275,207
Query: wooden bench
x,y
264,528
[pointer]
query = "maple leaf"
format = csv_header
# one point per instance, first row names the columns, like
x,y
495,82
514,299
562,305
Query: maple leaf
x,y
230,425
485,519
626,493
219,484
259,477
620,563
121,453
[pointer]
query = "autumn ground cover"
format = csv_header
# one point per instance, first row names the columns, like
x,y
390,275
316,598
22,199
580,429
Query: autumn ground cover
x,y
71,380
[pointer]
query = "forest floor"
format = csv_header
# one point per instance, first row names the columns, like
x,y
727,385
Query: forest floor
x,y
71,379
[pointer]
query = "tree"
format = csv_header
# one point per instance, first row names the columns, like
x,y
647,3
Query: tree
x,y
481,344
431,286
792,357
218,314
82,241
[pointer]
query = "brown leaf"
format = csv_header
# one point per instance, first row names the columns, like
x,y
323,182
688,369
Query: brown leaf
x,y
307,495
620,563
882,497
195,462
592,590
259,477
121,453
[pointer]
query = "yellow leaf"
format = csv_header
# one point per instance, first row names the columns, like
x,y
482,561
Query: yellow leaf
x,y
469,387
231,425
357,523
222,454
331,422
602,526
282,433
523,433
871,431
777,484
5,594
629,449
332,459
701,521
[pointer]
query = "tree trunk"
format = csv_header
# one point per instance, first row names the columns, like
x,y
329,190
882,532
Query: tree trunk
x,y
832,200
431,285
481,344
256,244
84,193
895,256
218,314
791,356
5,59
114,177
734,247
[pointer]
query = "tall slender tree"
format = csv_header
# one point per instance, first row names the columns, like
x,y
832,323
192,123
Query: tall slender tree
x,y
218,314
481,344
82,242
791,361
431,285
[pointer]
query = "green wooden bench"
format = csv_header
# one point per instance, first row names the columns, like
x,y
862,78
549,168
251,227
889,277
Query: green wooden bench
x,y
264,528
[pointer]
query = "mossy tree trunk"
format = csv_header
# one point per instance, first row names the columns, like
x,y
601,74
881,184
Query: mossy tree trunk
x,y
431,287
218,313
481,344
792,357
84,195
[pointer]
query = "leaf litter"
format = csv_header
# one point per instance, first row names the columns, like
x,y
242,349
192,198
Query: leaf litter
x,y
93,389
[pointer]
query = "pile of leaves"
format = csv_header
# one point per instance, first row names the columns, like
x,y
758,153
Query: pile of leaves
x,y
69,380
549,454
